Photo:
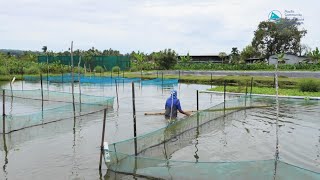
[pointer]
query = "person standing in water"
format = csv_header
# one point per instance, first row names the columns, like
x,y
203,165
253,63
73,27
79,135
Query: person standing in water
x,y
172,106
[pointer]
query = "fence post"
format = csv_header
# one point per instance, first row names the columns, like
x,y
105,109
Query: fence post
x,y
251,86
134,120
224,97
102,137
211,81
197,100
41,84
22,78
115,81
3,112
3,102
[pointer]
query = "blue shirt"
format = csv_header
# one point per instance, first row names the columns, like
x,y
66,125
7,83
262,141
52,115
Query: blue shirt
x,y
175,103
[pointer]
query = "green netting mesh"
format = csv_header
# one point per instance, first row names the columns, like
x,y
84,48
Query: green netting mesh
x,y
107,62
26,108
155,150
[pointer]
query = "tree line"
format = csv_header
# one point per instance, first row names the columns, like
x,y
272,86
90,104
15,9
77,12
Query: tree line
x,y
270,38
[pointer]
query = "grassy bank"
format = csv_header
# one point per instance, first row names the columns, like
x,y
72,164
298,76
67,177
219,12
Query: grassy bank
x,y
267,90
258,81
235,81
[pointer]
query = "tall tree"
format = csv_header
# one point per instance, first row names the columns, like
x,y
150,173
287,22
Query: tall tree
x,y
249,52
234,55
314,55
222,56
44,49
166,59
276,37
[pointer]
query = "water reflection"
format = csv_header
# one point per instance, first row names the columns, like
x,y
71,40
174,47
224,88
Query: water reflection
x,y
73,146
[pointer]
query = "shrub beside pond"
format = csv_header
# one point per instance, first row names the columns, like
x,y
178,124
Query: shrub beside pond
x,y
309,85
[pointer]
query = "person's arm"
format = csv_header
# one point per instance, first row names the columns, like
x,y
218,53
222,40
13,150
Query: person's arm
x,y
180,109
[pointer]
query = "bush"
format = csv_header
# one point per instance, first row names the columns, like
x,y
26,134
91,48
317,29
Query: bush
x,y
309,85
32,70
99,69
116,69
133,69
167,59
3,71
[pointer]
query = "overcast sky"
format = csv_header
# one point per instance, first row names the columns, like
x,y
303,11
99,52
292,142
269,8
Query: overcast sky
x,y
195,26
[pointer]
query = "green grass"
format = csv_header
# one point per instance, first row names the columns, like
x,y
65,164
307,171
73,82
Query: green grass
x,y
267,90
260,81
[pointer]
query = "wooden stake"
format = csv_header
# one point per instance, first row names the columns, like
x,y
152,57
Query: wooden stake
x,y
211,80
47,72
102,137
251,86
22,78
79,80
72,79
197,100
115,81
41,83
134,120
3,112
3,102
224,97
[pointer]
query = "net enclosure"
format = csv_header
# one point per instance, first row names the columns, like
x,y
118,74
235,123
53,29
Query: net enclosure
x,y
28,108
67,78
160,81
158,154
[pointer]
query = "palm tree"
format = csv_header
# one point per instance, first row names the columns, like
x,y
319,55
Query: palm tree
x,y
44,49
222,55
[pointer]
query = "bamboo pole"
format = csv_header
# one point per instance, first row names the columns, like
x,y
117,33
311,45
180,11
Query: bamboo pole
x,y
79,80
224,97
22,78
211,80
161,113
115,81
197,100
251,86
3,112
72,79
102,137
212,110
134,120
3,102
41,84
47,72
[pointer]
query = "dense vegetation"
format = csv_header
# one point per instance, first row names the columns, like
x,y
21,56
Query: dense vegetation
x,y
269,38
244,67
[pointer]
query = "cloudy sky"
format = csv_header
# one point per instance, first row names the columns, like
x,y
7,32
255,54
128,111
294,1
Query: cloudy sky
x,y
195,26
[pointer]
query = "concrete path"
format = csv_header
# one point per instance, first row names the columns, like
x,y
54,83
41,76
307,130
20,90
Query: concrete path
x,y
315,74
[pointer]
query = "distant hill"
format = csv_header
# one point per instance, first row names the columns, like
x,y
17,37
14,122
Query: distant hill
x,y
16,52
